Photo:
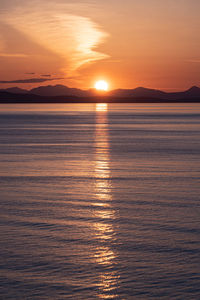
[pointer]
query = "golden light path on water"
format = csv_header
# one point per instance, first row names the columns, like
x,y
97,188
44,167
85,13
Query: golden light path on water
x,y
104,230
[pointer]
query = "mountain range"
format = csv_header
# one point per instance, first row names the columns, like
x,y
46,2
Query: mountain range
x,y
60,93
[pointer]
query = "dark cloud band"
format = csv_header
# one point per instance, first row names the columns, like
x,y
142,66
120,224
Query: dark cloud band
x,y
30,80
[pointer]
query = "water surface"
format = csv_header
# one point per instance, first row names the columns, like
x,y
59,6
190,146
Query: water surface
x,y
100,201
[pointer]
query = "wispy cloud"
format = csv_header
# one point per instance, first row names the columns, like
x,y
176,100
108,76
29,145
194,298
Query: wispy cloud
x,y
30,80
19,55
74,38
197,61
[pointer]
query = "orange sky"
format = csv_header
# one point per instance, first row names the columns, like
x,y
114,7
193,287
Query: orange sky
x,y
151,43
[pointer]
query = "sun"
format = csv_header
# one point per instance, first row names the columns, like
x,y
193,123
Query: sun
x,y
101,85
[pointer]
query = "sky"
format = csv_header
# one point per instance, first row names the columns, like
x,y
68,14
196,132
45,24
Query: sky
x,y
129,43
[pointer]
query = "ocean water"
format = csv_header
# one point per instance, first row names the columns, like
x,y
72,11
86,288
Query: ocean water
x,y
100,201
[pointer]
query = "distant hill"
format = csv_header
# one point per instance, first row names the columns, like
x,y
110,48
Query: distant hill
x,y
62,93
138,92
14,90
193,92
58,90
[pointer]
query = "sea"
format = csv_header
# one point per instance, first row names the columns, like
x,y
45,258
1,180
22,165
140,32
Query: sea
x,y
100,201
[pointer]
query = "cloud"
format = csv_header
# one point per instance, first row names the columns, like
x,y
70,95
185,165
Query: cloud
x,y
46,75
30,80
72,37
5,51
19,55
30,73
197,61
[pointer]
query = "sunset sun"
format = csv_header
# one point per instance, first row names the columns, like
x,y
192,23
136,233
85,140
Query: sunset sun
x,y
101,85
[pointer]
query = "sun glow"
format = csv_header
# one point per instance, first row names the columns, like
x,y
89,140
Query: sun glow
x,y
101,85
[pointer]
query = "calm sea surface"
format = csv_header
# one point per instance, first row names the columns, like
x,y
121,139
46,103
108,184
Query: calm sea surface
x,y
100,202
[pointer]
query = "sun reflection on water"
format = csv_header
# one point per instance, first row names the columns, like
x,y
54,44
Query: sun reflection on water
x,y
104,255
101,107
109,281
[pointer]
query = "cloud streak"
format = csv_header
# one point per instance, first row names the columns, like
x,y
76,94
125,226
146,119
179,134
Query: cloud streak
x,y
73,38
15,55
196,61
30,80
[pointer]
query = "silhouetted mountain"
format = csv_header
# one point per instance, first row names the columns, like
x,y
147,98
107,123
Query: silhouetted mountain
x,y
193,92
6,97
139,92
58,90
64,94
15,90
